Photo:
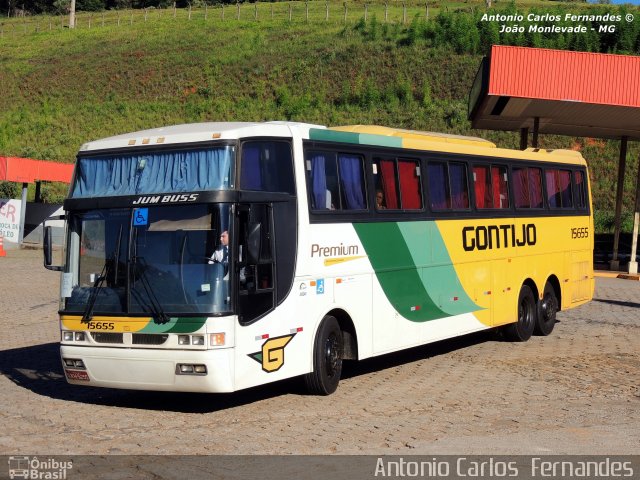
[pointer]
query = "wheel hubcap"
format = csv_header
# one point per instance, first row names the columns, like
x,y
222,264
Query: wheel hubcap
x,y
332,355
548,307
525,318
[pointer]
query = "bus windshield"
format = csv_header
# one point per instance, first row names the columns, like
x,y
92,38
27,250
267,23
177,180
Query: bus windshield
x,y
157,260
151,172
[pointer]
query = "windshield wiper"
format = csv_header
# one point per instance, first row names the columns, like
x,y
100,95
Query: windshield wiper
x,y
98,284
154,305
97,287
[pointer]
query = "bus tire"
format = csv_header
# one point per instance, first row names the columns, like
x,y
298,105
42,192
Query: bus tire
x,y
522,329
547,309
328,351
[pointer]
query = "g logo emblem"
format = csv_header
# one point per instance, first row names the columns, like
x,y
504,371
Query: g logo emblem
x,y
272,354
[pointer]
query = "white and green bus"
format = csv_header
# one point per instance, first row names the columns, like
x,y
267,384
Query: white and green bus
x,y
214,257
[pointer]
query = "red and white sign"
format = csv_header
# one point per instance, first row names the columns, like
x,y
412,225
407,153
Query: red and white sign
x,y
10,220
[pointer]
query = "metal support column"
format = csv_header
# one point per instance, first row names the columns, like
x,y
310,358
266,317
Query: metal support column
x,y
38,198
633,265
536,127
524,138
615,263
23,211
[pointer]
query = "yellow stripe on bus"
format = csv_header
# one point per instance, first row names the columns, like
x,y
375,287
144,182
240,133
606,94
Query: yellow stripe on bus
x,y
334,261
106,323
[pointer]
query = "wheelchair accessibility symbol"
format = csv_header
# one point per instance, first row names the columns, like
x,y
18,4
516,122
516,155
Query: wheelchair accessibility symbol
x,y
140,217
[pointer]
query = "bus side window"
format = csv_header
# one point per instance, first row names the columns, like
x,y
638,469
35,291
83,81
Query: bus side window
x,y
535,187
267,166
521,188
385,175
580,190
351,174
558,188
459,186
499,187
410,189
490,186
553,188
399,183
322,180
448,185
336,182
566,192
482,186
438,186
527,187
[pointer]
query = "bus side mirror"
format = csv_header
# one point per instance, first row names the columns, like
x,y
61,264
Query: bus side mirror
x,y
254,240
47,248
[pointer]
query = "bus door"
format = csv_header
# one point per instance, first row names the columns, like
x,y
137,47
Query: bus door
x,y
255,268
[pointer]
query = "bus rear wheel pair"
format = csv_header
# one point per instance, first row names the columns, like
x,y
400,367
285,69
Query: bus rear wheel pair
x,y
533,316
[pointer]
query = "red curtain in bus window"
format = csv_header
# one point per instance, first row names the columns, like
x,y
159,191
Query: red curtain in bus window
x,y
409,185
535,186
521,187
553,196
480,186
565,189
387,168
499,187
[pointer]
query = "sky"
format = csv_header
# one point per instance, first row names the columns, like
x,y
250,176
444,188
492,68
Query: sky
x,y
617,2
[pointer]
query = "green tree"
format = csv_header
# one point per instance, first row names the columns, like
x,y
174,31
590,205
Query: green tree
x,y
9,190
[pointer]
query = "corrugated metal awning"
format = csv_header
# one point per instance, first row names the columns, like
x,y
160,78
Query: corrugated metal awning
x,y
572,93
27,170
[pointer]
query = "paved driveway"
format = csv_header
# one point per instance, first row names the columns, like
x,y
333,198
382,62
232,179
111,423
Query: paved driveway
x,y
576,391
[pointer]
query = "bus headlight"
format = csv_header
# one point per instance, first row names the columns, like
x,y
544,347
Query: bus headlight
x,y
197,340
67,336
191,369
184,340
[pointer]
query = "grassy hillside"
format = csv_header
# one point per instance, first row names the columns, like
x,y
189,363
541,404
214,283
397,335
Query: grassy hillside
x,y
62,87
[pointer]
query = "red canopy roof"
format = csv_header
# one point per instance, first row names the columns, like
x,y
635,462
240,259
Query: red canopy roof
x,y
571,93
566,76
26,170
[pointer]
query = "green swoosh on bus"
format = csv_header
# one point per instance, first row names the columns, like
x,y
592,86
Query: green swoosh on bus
x,y
411,262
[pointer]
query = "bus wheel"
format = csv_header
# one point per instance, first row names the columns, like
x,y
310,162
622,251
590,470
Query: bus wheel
x,y
547,308
522,330
327,359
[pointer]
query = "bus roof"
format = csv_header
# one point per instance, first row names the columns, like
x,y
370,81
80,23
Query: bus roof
x,y
197,132
438,142
357,134
415,134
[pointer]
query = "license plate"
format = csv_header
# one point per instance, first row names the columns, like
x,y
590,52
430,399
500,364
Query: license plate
x,y
77,375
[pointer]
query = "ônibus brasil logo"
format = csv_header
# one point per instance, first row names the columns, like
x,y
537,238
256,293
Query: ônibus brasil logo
x,y
36,469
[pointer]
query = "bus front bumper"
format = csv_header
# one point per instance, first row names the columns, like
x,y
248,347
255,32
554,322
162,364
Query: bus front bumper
x,y
149,369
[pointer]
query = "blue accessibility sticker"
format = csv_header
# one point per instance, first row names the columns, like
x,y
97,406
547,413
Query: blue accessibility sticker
x,y
140,217
320,286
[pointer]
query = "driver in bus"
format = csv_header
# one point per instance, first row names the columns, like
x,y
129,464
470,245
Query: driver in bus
x,y
221,255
